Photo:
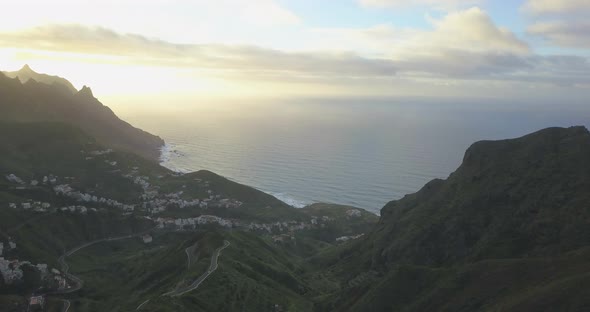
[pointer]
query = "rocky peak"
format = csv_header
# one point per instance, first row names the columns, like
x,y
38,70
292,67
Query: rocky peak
x,y
26,69
86,92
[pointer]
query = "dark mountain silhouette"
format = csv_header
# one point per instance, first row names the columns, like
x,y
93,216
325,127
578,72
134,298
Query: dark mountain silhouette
x,y
509,230
53,100
26,73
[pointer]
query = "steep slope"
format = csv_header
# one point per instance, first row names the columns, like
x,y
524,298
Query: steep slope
x,y
523,197
263,269
41,149
36,101
510,228
347,222
26,73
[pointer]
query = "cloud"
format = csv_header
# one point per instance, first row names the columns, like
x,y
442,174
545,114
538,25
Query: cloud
x,y
463,45
469,30
561,23
265,12
557,6
435,4
112,46
176,20
574,34
474,30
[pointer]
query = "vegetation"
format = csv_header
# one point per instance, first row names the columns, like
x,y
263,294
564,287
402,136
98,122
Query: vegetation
x,y
255,273
46,98
508,231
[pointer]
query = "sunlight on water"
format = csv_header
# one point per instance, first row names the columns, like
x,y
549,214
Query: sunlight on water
x,y
357,153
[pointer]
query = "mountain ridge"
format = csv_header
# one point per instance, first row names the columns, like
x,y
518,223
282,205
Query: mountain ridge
x,y
38,101
508,230
515,205
26,73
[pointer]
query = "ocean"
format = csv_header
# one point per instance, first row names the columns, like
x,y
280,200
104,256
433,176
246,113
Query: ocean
x,y
359,152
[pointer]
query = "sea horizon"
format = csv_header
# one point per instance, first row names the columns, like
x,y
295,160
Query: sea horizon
x,y
398,149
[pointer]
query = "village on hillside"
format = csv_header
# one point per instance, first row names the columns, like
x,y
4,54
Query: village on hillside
x,y
152,204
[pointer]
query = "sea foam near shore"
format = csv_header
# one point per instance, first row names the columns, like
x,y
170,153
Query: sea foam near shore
x,y
289,199
169,151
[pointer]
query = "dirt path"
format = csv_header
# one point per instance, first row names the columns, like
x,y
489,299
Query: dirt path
x,y
212,267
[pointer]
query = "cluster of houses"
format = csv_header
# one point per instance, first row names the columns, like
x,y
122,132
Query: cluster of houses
x,y
77,209
31,205
315,220
192,223
36,303
66,190
285,226
46,207
282,238
14,179
97,153
141,181
158,205
12,273
343,239
353,213
154,203
58,280
101,152
12,270
273,227
151,201
162,204
51,179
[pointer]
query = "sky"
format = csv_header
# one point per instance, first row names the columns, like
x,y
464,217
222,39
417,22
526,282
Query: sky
x,y
522,49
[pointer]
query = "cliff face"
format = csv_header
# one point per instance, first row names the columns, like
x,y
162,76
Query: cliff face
x,y
26,73
512,198
34,101
508,230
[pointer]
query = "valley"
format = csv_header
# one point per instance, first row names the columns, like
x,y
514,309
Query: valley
x,y
89,225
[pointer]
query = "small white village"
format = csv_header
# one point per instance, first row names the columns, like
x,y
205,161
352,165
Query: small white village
x,y
152,202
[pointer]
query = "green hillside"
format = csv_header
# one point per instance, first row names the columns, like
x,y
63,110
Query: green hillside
x,y
43,98
103,229
508,231
264,268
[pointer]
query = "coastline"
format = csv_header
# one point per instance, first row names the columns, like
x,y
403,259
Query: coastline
x,y
169,151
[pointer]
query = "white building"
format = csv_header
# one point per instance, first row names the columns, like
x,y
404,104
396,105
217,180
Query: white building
x,y
14,179
147,238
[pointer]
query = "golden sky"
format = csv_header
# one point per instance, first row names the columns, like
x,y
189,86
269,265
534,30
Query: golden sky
x,y
236,48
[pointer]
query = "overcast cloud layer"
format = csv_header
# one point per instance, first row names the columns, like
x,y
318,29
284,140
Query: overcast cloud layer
x,y
463,43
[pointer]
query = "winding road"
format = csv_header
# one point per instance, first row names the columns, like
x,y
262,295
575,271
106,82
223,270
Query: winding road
x,y
212,267
189,251
66,305
65,267
141,305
